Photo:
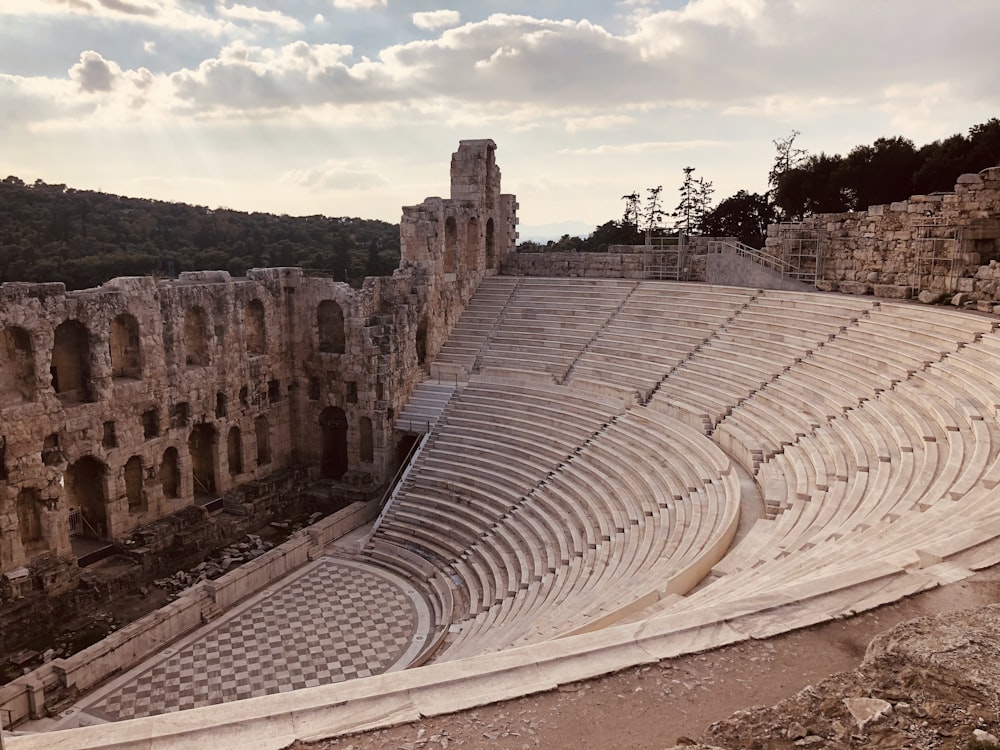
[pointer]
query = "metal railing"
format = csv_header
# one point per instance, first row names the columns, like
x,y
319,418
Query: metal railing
x,y
385,502
760,257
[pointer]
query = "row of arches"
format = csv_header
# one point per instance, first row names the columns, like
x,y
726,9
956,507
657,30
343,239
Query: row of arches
x,y
86,484
69,367
472,244
84,480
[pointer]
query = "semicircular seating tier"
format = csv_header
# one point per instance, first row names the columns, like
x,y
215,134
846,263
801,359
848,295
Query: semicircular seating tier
x,y
588,470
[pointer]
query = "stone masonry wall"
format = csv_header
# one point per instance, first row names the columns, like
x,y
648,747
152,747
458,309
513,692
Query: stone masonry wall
x,y
620,262
942,243
122,404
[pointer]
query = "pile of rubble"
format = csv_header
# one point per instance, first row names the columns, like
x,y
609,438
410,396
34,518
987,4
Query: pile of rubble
x,y
215,565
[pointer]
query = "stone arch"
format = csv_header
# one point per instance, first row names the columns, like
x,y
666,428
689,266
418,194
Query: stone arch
x,y
29,520
365,440
234,451
85,497
262,432
472,243
125,348
255,327
450,244
71,362
202,444
491,251
133,485
333,428
170,473
17,366
421,340
330,321
196,336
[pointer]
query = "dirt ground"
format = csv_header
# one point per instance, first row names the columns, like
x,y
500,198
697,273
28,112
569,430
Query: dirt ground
x,y
675,701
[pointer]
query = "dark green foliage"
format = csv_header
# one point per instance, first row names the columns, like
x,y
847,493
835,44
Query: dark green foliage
x,y
744,216
891,169
84,238
609,233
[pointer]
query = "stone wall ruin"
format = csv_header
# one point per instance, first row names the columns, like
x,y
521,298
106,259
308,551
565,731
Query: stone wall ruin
x,y
943,243
123,404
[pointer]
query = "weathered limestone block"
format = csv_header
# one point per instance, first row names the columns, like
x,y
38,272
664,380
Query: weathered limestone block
x,y
892,291
929,297
855,287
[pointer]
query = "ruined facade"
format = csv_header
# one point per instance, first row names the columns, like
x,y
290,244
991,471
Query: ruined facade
x,y
937,243
122,404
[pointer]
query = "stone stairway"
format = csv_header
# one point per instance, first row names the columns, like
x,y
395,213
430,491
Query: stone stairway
x,y
425,406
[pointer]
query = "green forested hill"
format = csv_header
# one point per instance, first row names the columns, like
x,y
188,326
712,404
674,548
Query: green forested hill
x,y
83,238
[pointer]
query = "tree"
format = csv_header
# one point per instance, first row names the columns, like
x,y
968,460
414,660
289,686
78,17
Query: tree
x,y
631,216
745,216
652,213
611,233
788,157
810,188
696,197
877,174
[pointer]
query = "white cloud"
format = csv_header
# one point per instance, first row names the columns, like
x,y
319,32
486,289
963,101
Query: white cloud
x,y
254,15
335,175
597,122
93,73
645,147
149,47
358,4
436,19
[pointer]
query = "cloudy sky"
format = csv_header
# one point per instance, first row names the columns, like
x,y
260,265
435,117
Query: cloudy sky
x,y
353,107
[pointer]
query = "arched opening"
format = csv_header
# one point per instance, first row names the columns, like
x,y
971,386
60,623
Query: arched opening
x,y
170,474
17,367
71,362
262,431
491,252
202,446
330,319
133,486
450,244
365,442
403,448
195,337
234,451
333,426
29,520
421,341
472,244
85,498
124,345
256,329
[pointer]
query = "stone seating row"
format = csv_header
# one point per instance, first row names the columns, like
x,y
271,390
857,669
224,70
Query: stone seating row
x,y
476,323
859,433
497,442
906,451
656,329
763,340
635,529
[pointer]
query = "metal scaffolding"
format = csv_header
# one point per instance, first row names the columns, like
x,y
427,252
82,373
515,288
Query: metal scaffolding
x,y
935,253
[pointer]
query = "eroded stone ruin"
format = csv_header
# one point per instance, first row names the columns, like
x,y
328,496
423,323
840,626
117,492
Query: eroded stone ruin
x,y
127,403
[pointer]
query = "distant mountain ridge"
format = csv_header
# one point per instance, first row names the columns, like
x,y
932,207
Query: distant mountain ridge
x,y
84,237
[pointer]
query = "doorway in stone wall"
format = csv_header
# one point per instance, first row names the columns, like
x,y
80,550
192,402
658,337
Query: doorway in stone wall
x,y
88,515
333,426
202,445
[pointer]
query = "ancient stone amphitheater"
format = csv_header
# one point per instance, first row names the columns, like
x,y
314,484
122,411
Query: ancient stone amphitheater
x,y
610,472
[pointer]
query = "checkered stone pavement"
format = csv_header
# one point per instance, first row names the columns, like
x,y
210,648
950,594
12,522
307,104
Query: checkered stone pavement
x,y
336,621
